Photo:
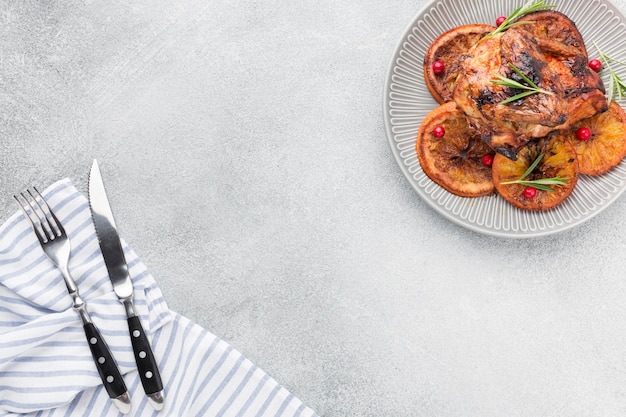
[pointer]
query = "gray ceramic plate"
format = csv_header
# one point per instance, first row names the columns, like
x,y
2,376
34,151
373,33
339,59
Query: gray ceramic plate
x,y
407,101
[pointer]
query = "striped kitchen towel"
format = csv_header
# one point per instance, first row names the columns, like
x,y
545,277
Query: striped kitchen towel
x,y
46,369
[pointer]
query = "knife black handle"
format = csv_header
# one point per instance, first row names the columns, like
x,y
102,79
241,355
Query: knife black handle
x,y
106,365
146,364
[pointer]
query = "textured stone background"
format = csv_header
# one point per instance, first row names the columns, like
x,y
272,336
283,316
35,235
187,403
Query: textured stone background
x,y
243,147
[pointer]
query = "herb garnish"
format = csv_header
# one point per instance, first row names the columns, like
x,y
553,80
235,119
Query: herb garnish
x,y
531,88
530,7
616,85
540,184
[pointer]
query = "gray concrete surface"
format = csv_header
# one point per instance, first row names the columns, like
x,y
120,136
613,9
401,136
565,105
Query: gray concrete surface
x,y
243,147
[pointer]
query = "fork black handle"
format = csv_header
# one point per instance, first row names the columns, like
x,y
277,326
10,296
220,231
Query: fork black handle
x,y
144,357
107,368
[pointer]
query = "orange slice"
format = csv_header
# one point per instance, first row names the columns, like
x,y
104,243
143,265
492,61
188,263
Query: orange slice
x,y
559,160
450,48
454,160
606,146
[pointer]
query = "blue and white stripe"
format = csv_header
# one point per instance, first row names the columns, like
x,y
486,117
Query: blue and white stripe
x,y
46,369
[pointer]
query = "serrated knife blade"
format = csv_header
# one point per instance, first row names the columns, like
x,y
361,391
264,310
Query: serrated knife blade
x,y
116,265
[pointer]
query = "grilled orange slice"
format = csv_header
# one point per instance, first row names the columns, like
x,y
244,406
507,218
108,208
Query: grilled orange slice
x,y
450,49
606,146
454,160
559,160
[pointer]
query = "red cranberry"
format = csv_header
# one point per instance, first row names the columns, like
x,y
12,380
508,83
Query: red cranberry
x,y
595,64
439,67
500,20
530,192
487,160
583,133
439,131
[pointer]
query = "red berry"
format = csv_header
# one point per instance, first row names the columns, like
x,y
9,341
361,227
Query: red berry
x,y
439,67
439,131
583,133
595,64
487,160
530,192
500,20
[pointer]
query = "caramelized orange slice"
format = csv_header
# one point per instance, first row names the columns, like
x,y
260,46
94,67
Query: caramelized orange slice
x,y
559,161
449,49
451,153
606,145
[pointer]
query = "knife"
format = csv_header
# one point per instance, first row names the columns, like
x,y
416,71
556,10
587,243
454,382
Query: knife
x,y
116,265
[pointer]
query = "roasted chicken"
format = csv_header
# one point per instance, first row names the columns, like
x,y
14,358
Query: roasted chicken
x,y
551,53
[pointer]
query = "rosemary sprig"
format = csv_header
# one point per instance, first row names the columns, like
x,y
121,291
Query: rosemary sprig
x,y
616,85
530,7
543,184
531,88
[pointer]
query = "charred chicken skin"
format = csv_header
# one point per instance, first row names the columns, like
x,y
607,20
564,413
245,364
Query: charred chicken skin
x,y
564,49
550,52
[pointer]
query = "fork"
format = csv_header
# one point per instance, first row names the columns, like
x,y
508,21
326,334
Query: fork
x,y
57,247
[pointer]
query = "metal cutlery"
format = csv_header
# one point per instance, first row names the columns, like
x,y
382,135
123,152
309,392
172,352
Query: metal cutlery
x,y
117,267
57,247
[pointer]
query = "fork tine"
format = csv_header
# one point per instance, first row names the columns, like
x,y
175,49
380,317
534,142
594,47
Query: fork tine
x,y
41,213
43,221
51,219
33,219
